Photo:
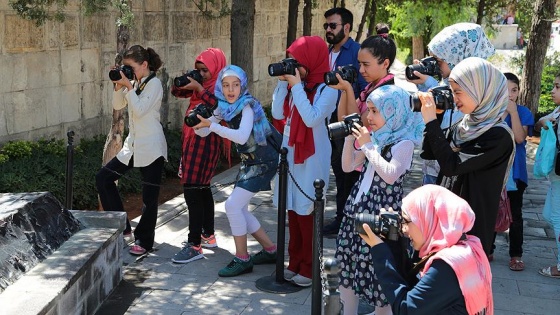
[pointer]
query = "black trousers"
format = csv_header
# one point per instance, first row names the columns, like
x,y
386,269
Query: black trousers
x,y
344,181
200,202
111,200
516,226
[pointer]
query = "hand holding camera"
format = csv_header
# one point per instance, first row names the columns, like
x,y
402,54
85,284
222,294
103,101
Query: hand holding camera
x,y
204,122
121,76
191,80
426,67
372,227
285,70
345,127
346,73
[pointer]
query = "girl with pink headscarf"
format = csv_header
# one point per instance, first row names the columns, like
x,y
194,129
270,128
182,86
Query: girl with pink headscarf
x,y
455,276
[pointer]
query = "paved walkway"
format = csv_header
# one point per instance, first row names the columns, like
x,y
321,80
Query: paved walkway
x,y
154,285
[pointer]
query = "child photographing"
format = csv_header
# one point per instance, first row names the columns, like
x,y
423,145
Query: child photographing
x,y
254,139
386,154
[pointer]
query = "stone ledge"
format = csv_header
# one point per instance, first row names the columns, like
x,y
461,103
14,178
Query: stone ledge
x,y
86,267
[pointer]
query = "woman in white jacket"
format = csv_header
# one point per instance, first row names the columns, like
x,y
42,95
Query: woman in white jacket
x,y
145,147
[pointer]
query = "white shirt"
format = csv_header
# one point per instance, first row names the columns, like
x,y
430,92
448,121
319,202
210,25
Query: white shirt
x,y
145,140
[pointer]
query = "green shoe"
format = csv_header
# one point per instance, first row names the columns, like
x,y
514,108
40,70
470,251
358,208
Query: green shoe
x,y
236,267
263,257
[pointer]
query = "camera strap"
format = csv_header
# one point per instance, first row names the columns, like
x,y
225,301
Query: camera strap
x,y
143,85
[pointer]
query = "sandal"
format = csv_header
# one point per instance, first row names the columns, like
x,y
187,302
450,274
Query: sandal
x,y
516,264
547,272
137,250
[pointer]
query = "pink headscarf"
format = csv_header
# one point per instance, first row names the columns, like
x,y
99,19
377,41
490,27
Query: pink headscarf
x,y
443,218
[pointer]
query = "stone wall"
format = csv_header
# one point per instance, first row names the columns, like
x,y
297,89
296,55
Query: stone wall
x,y
54,77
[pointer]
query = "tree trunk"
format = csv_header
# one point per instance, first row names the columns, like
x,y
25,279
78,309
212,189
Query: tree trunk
x,y
335,3
307,17
363,20
539,38
417,47
113,143
292,22
372,14
242,34
480,11
342,4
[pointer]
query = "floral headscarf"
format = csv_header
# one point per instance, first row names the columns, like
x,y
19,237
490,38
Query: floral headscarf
x,y
459,41
443,219
487,86
401,123
261,127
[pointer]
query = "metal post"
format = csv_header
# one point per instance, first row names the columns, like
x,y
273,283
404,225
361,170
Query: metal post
x,y
69,169
332,296
278,284
318,210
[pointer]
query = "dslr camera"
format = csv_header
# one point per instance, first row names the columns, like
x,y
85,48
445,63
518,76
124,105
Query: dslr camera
x,y
386,224
443,97
286,66
344,128
428,66
186,78
115,74
205,111
347,73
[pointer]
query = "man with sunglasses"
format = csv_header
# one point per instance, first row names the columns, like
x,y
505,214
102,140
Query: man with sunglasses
x,y
343,51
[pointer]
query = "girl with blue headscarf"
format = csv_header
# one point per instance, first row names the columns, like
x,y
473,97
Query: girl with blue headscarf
x,y
386,154
257,143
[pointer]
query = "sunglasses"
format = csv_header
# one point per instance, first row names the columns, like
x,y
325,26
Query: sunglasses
x,y
404,220
331,25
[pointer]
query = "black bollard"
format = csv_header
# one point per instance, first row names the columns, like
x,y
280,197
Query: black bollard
x,y
277,283
318,211
332,296
69,169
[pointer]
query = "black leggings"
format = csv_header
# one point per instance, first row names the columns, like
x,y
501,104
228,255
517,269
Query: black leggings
x,y
200,202
111,200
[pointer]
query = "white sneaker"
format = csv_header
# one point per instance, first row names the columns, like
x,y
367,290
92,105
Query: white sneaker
x,y
301,281
288,275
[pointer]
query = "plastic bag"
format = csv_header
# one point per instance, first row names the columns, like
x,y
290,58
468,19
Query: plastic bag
x,y
504,219
546,152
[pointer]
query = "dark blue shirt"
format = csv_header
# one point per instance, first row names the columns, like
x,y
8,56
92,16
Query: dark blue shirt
x,y
348,55
437,292
520,160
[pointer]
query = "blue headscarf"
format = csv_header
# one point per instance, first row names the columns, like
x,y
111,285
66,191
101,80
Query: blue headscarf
x,y
261,127
401,123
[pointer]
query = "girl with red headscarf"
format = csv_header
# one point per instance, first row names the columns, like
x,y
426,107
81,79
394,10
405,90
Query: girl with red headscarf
x,y
455,276
305,102
199,159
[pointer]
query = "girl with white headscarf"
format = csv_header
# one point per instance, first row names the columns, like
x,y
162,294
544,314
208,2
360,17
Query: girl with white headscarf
x,y
481,147
386,155
450,46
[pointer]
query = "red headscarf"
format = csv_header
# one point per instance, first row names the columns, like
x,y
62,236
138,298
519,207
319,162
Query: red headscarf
x,y
311,52
443,219
214,59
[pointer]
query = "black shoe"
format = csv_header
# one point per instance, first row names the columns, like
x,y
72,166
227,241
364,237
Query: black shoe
x,y
332,228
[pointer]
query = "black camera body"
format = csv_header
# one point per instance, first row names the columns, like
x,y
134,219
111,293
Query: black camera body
x,y
286,66
344,128
205,111
186,78
347,73
443,97
428,66
115,74
387,224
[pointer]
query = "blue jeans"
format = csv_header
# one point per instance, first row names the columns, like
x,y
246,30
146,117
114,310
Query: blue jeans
x,y
551,210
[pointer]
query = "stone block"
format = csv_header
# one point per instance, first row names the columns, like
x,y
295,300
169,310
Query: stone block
x,y
66,100
90,67
22,35
22,115
99,29
155,27
3,123
90,98
70,66
183,27
203,27
154,5
63,35
176,60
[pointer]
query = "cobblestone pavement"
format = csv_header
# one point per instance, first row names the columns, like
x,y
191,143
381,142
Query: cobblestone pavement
x,y
154,285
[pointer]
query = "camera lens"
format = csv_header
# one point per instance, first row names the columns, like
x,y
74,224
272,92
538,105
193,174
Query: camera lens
x,y
410,71
338,130
276,69
330,78
191,120
415,104
181,81
370,219
115,74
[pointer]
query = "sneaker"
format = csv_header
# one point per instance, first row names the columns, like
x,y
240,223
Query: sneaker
x,y
301,281
332,228
187,254
137,250
289,275
236,267
208,242
263,257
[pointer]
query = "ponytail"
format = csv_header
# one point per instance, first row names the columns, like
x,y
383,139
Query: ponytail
x,y
139,55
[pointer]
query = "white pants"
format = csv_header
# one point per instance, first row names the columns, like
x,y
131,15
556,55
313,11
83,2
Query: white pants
x,y
241,221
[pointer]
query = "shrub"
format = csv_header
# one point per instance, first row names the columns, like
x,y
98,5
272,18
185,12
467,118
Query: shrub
x,y
27,166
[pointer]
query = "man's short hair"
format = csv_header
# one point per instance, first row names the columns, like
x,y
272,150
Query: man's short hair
x,y
345,15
